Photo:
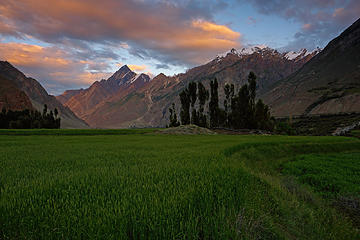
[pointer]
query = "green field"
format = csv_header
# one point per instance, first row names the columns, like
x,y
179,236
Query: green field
x,y
134,184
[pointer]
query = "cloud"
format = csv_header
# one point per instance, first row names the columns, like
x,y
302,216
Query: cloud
x,y
162,66
27,55
172,30
321,20
56,69
138,68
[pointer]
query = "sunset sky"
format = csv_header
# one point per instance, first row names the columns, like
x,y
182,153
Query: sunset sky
x,y
68,44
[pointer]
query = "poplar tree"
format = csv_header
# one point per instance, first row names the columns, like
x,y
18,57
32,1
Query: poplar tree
x,y
214,104
252,96
203,96
173,117
193,97
185,107
229,94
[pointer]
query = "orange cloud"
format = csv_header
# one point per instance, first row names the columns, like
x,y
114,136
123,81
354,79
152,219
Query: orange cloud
x,y
163,28
22,54
137,68
218,31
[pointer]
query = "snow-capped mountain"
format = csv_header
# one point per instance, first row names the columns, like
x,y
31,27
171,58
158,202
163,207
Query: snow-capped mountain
x,y
301,54
263,49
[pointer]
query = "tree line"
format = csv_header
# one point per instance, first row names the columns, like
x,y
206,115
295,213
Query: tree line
x,y
28,119
241,110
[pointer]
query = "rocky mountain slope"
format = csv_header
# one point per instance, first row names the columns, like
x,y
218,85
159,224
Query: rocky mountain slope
x,y
126,99
328,83
12,98
26,92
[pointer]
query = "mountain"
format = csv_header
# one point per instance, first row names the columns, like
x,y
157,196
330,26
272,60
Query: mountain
x,y
328,83
86,102
24,92
127,99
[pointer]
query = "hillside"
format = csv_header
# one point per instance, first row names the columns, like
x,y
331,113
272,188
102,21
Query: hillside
x,y
329,83
127,100
20,85
12,98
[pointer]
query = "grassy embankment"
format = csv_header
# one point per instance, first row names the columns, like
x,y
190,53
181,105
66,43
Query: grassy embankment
x,y
177,187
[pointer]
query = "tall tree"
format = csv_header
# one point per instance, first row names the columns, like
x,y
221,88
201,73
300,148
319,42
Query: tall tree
x,y
229,94
203,96
193,93
185,107
262,116
193,97
45,110
214,104
240,108
252,88
173,117
252,96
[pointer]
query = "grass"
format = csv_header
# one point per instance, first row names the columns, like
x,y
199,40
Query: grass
x,y
331,175
148,186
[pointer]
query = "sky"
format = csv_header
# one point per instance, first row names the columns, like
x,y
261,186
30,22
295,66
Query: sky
x,y
69,44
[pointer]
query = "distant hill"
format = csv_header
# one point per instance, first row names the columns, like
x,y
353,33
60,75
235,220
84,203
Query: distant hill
x,y
127,99
22,92
329,83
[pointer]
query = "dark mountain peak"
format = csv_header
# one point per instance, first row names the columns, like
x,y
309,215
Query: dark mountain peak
x,y
121,76
125,68
121,72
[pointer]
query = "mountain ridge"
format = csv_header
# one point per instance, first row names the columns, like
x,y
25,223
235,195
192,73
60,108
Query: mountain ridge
x,y
38,95
145,104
